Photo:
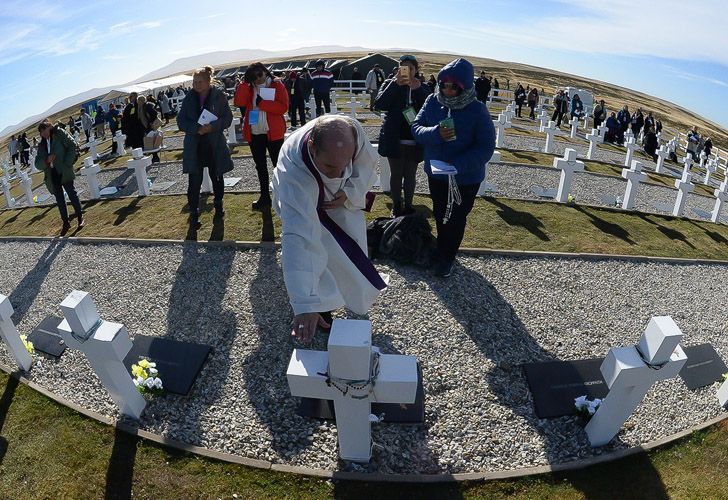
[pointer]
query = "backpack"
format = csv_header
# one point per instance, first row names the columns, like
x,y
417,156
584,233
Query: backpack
x,y
406,239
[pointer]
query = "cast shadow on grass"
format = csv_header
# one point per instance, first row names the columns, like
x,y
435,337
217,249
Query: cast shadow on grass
x,y
39,216
5,402
672,234
517,218
120,471
607,227
123,212
713,235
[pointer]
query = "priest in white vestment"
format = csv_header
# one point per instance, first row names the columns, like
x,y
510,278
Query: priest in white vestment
x,y
325,170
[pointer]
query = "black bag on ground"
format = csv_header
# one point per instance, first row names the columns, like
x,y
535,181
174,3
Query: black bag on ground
x,y
406,239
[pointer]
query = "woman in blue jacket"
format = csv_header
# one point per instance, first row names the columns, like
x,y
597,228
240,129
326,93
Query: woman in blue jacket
x,y
458,135
402,98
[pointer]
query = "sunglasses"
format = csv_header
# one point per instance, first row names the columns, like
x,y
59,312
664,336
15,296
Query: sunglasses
x,y
449,85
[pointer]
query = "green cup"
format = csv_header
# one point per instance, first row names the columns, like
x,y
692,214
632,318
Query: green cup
x,y
449,123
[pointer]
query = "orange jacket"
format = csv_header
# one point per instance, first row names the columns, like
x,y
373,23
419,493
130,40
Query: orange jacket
x,y
275,110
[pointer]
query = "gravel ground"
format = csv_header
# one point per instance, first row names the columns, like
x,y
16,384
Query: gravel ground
x,y
476,329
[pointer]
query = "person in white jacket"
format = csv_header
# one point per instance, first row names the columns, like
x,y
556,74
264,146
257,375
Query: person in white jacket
x,y
320,185
375,80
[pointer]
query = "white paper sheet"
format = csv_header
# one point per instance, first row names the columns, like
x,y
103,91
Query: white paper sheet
x,y
206,117
440,167
267,94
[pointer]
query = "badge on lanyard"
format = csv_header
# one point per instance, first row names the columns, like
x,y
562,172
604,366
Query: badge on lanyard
x,y
253,116
409,114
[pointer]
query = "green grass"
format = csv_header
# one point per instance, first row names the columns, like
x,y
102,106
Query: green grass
x,y
498,223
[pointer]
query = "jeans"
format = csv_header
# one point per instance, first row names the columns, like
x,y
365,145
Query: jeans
x,y
450,235
60,199
324,98
258,145
404,167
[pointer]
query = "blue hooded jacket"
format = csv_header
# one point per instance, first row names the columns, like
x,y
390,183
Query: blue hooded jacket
x,y
475,141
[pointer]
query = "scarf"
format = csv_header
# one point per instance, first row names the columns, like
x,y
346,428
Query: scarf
x,y
458,102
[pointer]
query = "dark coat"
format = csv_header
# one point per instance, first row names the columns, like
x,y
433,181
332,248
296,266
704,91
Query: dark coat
x,y
64,147
189,113
392,98
132,127
650,143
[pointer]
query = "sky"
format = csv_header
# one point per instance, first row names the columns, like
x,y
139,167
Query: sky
x,y
671,49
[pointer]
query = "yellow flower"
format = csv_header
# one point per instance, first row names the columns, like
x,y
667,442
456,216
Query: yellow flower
x,y
138,371
144,363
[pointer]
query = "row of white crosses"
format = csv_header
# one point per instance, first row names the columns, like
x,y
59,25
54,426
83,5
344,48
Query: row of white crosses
x,y
104,343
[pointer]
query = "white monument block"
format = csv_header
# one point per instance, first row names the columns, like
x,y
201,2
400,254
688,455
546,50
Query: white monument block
x,y
105,345
375,377
634,176
139,164
630,372
710,168
543,120
602,131
568,165
90,170
550,131
11,337
312,106
486,186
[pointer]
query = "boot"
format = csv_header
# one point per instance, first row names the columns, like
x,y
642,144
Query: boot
x,y
396,208
66,227
195,218
219,211
262,203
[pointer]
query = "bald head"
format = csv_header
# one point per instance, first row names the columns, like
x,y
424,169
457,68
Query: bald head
x,y
333,144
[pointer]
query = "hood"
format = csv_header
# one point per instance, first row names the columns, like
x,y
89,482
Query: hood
x,y
458,71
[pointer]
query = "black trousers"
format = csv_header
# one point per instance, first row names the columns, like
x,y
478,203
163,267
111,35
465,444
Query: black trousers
x,y
324,98
556,117
194,183
404,167
450,235
297,107
259,143
61,200
532,115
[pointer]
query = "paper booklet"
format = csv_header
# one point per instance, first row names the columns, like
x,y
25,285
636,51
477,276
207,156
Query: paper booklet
x,y
267,94
440,167
206,117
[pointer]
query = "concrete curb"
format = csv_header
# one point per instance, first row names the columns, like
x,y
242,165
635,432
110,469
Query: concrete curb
x,y
358,476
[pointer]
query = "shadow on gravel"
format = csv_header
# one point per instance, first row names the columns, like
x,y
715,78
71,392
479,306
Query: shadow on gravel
x,y
120,471
5,402
23,296
268,232
518,218
606,227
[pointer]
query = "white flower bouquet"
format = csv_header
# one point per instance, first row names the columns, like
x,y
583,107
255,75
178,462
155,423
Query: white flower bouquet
x,y
146,377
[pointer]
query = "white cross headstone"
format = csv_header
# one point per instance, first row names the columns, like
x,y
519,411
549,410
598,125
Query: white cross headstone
x,y
568,165
312,106
232,136
119,139
602,131
721,195
628,135
703,157
27,184
662,154
486,186
77,137
139,164
385,174
593,139
33,170
631,145
543,120
684,186
349,361
550,131
634,176
501,125
710,168
510,112
90,170
586,122
105,345
6,173
574,122
631,371
9,200
92,147
353,104
11,337
334,107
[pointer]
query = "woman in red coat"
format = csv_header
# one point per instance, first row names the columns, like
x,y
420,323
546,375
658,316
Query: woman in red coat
x,y
264,125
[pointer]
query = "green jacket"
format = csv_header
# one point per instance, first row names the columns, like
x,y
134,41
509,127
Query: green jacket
x,y
64,147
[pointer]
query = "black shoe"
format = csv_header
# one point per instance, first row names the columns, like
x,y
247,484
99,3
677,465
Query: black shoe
x,y
195,218
443,268
262,203
396,209
408,210
66,227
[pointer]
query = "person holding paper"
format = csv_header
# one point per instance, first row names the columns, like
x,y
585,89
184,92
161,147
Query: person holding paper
x,y
458,138
205,143
402,98
266,102
320,188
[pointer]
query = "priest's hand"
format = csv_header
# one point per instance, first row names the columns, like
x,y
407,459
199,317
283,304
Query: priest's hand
x,y
304,326
337,202
204,129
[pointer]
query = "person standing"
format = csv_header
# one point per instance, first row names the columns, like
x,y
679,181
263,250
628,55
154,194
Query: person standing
x,y
55,158
637,122
147,116
600,113
623,118
374,81
533,102
165,107
577,107
87,123
13,149
24,147
455,129
295,88
264,126
205,146
560,107
356,76
131,126
520,97
322,81
650,121
100,123
496,86
650,143
114,119
402,98
482,87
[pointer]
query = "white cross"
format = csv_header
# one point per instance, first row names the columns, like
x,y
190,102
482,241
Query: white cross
x,y
703,157
543,120
27,184
684,186
501,124
105,345
593,139
11,337
602,130
119,139
628,135
139,164
385,174
550,131
631,145
312,106
568,165
574,122
350,363
9,200
630,372
486,186
92,148
634,176
721,195
586,122
662,154
6,173
710,167
334,107
232,137
353,104
90,170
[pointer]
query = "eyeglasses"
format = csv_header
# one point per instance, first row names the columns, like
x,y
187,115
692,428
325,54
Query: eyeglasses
x,y
449,85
